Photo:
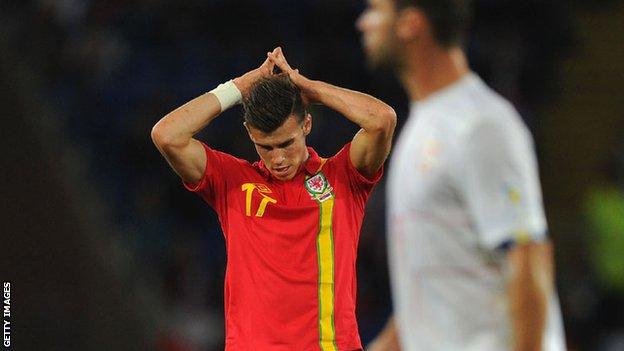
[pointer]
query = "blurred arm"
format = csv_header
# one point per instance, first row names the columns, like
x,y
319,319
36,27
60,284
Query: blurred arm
x,y
387,340
529,288
372,143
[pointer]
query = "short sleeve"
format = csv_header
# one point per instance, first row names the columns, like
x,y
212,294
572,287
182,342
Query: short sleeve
x,y
497,178
213,182
359,183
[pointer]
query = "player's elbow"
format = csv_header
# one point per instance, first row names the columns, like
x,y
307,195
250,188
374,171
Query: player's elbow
x,y
162,136
158,135
391,118
385,120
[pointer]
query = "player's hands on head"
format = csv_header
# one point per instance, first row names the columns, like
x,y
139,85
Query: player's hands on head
x,y
244,82
276,59
305,85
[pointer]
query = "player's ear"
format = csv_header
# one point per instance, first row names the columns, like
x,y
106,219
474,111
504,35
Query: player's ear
x,y
248,128
410,24
307,124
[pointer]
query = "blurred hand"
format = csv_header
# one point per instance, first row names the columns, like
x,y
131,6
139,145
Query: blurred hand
x,y
304,84
381,344
244,82
387,340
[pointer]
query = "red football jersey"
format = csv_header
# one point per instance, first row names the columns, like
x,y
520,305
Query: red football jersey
x,y
290,281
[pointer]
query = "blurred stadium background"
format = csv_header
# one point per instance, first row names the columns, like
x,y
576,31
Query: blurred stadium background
x,y
106,251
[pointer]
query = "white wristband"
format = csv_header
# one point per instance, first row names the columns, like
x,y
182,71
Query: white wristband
x,y
227,94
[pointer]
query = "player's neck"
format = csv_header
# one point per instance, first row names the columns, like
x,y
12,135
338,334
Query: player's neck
x,y
305,160
428,70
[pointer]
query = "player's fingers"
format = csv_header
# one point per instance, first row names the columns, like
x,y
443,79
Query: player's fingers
x,y
267,66
274,53
278,53
270,65
266,62
271,58
280,62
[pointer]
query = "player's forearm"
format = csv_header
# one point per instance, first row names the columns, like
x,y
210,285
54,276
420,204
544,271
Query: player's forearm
x,y
371,114
178,127
528,309
529,291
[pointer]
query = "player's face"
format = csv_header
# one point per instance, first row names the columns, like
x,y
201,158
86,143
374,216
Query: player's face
x,y
284,150
377,25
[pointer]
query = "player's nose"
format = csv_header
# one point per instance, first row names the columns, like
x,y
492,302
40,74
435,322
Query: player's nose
x,y
277,159
360,22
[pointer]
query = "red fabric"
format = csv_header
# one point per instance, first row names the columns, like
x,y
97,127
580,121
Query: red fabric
x,y
271,283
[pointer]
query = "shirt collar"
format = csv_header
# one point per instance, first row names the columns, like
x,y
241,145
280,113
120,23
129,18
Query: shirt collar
x,y
311,166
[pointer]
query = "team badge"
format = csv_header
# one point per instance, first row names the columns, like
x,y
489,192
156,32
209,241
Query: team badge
x,y
319,188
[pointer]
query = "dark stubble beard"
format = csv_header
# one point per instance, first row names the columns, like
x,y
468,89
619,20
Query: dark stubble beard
x,y
389,59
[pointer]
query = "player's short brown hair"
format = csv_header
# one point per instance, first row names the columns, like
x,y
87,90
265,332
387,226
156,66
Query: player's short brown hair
x,y
449,18
271,101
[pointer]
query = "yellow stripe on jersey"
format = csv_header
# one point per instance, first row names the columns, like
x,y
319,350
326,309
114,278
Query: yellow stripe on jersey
x,y
325,250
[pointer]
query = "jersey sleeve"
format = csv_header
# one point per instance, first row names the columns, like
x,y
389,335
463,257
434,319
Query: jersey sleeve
x,y
212,186
360,185
497,178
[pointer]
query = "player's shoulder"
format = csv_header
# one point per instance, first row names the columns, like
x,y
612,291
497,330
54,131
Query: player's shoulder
x,y
484,108
228,165
339,163
338,159
223,156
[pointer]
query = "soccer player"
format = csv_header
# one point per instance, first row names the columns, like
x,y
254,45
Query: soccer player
x,y
471,265
291,220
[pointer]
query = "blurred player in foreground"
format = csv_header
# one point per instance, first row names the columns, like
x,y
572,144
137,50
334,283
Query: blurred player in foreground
x,y
291,220
470,261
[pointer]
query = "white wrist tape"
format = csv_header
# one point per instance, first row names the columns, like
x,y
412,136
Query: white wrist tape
x,y
227,94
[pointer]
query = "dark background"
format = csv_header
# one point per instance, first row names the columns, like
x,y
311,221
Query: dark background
x,y
105,250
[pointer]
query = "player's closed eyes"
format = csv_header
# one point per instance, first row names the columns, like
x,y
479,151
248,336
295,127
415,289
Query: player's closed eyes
x,y
286,144
283,145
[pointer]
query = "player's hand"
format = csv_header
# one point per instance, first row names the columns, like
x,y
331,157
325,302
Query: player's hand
x,y
382,344
387,340
305,85
246,81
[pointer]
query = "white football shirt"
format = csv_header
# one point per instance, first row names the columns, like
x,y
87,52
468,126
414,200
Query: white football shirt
x,y
463,182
